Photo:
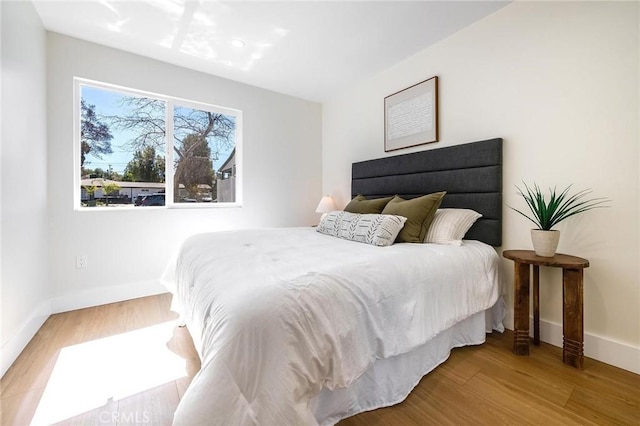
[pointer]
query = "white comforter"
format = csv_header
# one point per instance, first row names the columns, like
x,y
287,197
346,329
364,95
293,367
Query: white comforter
x,y
278,314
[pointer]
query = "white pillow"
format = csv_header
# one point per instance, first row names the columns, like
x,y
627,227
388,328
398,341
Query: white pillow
x,y
450,225
375,229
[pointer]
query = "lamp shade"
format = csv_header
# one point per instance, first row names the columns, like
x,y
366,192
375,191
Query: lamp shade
x,y
325,205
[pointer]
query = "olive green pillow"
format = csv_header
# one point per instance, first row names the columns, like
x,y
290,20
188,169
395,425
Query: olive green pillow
x,y
419,213
363,206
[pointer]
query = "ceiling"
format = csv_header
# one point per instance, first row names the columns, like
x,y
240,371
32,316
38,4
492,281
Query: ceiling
x,y
307,49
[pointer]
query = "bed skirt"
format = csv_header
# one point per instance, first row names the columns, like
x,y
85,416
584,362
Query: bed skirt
x,y
389,381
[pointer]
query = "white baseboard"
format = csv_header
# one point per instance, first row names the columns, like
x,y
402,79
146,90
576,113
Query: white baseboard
x,y
13,346
603,349
105,295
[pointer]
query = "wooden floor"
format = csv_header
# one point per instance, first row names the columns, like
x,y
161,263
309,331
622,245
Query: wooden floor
x,y
485,384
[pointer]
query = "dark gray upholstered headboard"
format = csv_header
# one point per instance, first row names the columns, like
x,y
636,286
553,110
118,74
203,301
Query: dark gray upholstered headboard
x,y
470,173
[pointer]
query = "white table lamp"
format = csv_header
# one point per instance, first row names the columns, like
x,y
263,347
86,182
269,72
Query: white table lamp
x,y
326,205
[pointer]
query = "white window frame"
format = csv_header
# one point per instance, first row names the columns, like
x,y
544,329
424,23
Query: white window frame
x,y
170,101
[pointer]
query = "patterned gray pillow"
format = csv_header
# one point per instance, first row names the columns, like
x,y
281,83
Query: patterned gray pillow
x,y
375,229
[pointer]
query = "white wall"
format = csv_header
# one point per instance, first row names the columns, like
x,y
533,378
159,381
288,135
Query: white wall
x,y
559,82
129,250
24,287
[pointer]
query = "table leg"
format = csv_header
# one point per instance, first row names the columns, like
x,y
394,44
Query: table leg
x,y
536,305
521,309
572,317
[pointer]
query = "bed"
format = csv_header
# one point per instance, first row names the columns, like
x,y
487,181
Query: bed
x,y
297,327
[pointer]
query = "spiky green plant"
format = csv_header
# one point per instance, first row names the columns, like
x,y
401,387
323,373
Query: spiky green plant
x,y
547,214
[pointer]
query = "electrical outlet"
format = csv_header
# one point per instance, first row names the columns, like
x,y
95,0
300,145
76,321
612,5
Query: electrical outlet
x,y
81,261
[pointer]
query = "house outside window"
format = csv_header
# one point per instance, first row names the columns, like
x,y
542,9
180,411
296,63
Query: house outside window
x,y
226,187
138,149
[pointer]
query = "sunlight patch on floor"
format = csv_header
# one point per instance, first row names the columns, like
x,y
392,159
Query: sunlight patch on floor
x,y
87,375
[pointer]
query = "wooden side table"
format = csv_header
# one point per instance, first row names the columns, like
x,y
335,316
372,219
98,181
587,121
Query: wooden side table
x,y
572,295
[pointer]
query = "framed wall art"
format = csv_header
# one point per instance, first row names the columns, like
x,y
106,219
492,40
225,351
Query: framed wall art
x,y
411,116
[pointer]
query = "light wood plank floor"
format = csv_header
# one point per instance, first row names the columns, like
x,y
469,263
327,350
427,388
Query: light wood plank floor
x,y
485,384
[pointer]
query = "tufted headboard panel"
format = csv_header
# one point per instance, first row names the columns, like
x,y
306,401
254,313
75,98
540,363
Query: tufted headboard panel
x,y
471,174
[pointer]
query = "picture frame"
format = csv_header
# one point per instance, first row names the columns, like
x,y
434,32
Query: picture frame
x,y
411,116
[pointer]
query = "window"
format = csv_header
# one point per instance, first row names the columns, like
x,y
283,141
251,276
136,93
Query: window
x,y
137,149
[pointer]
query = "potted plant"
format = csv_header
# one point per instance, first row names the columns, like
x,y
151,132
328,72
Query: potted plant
x,y
548,213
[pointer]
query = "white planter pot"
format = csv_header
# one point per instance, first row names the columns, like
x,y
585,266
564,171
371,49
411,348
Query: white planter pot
x,y
545,243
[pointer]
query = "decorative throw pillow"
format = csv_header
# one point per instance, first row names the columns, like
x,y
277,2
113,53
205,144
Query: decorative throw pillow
x,y
419,213
450,225
375,229
359,204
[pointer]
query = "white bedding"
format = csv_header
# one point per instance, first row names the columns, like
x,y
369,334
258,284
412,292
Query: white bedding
x,y
279,314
